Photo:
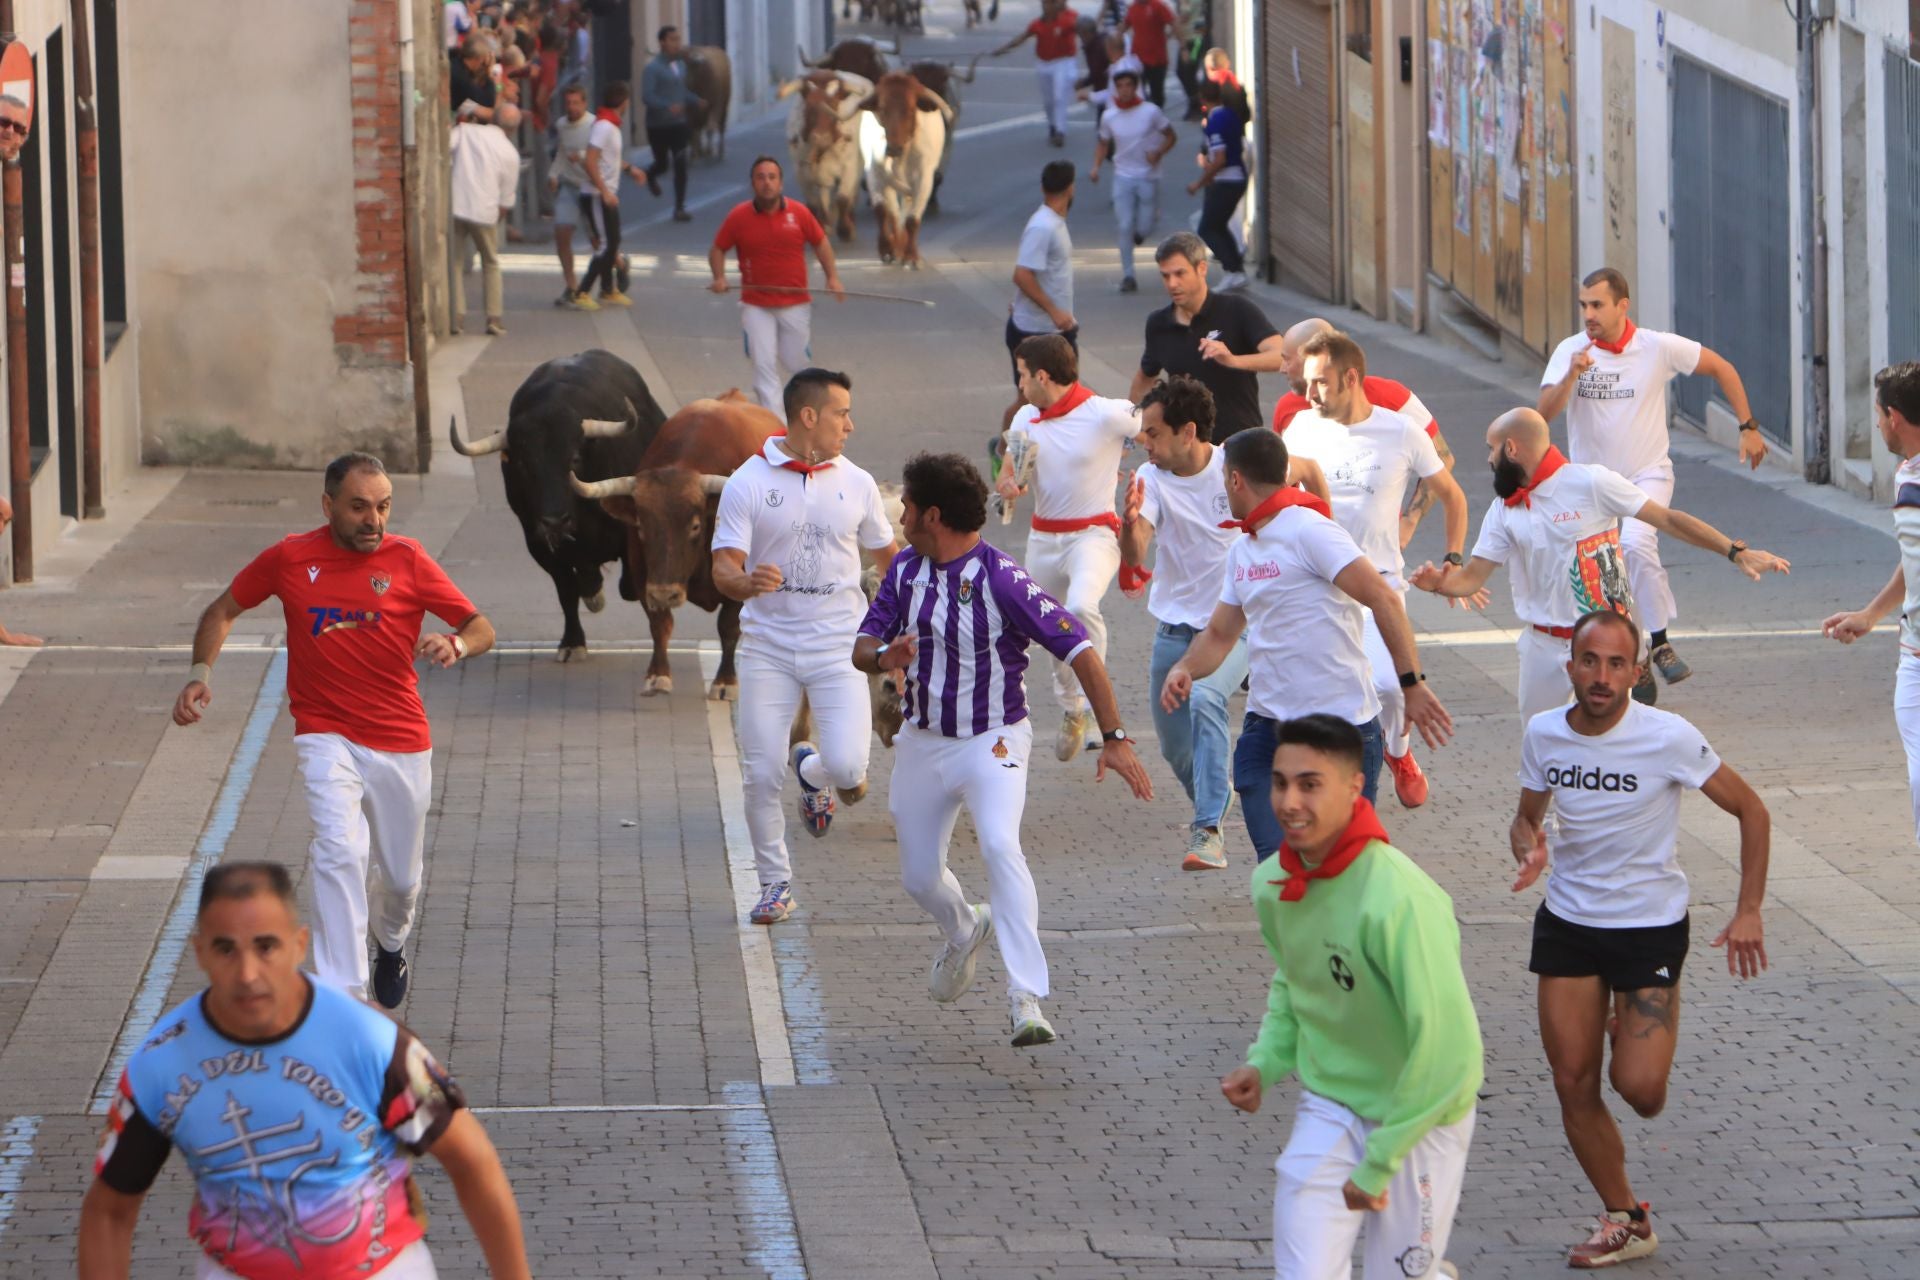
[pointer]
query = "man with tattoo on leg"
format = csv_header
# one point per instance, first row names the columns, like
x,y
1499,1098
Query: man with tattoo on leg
x,y
1610,938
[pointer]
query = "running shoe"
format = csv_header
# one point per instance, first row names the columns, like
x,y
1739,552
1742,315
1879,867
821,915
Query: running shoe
x,y
1616,1238
1030,1026
775,905
1409,782
816,803
583,301
1129,285
389,976
1206,850
614,298
1644,689
1072,736
681,215
1673,668
622,272
565,299
953,967
1233,280
495,328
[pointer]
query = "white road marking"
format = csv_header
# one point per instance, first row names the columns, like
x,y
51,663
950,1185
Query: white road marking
x,y
762,1192
16,1153
1494,634
756,949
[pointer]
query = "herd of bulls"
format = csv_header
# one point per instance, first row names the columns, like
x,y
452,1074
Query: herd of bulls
x,y
596,472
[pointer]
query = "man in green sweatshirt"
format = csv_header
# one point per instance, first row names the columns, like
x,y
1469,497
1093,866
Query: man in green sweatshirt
x,y
1370,1007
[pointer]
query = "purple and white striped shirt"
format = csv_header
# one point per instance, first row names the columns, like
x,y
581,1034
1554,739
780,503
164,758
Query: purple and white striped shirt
x,y
975,616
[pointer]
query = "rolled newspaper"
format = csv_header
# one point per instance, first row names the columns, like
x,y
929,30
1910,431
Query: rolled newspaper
x,y
1021,452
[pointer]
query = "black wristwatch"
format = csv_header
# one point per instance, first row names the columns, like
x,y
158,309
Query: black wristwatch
x,y
1454,558
1408,679
1734,550
1116,735
1749,425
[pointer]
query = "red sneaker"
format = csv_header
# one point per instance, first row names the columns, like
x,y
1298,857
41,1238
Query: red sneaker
x,y
1409,783
1616,1238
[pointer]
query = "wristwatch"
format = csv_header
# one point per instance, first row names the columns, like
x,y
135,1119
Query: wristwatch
x,y
459,646
1454,558
1749,425
1408,679
1734,549
1116,735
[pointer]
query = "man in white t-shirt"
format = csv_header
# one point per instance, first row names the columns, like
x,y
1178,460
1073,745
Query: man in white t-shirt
x,y
1609,940
1296,585
1557,524
1136,134
1612,382
567,179
1043,274
1074,549
787,538
1372,457
483,180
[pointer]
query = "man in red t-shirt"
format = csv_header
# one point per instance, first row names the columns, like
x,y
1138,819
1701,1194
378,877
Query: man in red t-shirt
x,y
1150,23
1381,393
1056,37
770,235
354,598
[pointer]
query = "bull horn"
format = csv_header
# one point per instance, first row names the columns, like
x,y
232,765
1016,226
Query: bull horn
x,y
971,68
712,484
619,486
601,428
485,445
939,104
805,61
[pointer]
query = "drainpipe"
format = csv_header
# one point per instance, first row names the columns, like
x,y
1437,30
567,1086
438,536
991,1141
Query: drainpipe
x,y
411,242
20,448
88,119
1816,446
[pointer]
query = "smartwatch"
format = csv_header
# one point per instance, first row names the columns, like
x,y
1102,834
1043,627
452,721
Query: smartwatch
x,y
1734,550
1749,425
1454,558
1408,679
1116,735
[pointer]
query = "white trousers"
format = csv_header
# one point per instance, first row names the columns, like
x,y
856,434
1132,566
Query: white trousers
x,y
1544,683
411,1263
772,682
1394,731
366,805
1652,593
778,343
1314,1231
1056,89
1076,569
1906,714
933,776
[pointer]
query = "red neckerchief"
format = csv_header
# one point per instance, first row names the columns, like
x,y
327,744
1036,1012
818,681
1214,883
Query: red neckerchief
x,y
794,464
1363,828
1552,462
608,114
1070,399
1626,336
1282,497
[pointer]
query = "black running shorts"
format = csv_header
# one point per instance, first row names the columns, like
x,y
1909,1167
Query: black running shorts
x,y
1626,959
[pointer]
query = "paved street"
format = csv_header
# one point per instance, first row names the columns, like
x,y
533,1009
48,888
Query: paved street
x,y
677,1094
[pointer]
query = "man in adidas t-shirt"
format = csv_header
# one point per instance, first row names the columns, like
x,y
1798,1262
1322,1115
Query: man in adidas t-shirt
x,y
1557,523
1609,940
1611,380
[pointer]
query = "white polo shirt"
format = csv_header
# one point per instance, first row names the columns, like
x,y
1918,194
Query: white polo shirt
x,y
1617,417
1185,512
1906,529
1618,795
1563,552
814,528
1077,465
1303,633
1369,468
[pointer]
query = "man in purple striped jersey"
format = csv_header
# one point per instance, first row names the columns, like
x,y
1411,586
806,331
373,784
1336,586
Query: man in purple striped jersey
x,y
955,616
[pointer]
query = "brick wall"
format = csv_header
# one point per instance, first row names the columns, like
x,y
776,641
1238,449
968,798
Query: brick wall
x,y
374,332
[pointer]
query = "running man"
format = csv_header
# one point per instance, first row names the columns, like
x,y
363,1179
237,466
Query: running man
x,y
1371,457
1610,938
1149,25
1223,339
954,616
1137,135
1056,45
346,1095
770,233
1896,404
354,597
1223,175
1043,275
1381,393
787,538
1074,549
1297,586
1558,524
1370,1007
604,162
570,185
670,102
1611,381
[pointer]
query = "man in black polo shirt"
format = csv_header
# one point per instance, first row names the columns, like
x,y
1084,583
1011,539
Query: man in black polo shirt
x,y
1222,339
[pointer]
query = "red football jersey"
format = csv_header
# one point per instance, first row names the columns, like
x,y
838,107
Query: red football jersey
x,y
772,250
353,620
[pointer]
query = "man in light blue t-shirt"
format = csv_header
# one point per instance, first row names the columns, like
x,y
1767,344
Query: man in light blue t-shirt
x,y
1043,274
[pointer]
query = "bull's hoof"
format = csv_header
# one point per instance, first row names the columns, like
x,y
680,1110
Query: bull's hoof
x,y
568,652
656,685
853,795
595,602
885,256
724,692
913,264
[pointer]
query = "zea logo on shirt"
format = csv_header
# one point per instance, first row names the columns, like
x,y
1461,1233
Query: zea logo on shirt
x,y
1577,778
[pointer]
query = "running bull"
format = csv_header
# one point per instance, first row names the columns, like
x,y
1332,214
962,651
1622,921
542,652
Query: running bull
x,y
589,414
900,180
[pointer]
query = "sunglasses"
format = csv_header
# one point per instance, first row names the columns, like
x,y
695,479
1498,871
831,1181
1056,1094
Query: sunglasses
x,y
13,126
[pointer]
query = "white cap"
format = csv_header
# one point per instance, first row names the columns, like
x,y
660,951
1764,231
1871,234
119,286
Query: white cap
x,y
1127,66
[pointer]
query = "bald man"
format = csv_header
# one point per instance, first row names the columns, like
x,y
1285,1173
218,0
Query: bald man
x,y
1558,524
1381,393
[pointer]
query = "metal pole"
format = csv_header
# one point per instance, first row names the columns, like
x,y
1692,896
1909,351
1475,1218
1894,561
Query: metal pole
x,y
1816,446
87,117
20,446
410,239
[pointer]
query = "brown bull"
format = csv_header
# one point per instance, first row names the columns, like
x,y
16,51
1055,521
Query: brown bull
x,y
862,57
710,77
900,179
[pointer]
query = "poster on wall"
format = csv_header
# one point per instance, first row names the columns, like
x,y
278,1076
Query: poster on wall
x,y
1462,191
1437,93
1462,102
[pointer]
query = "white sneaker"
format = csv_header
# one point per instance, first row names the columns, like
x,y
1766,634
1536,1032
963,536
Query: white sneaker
x,y
953,967
1233,280
1072,736
1030,1026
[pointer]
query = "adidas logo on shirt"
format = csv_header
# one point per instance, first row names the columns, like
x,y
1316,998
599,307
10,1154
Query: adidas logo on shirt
x,y
1575,778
